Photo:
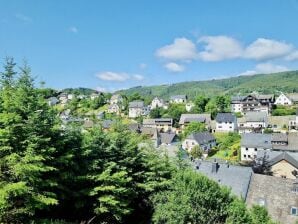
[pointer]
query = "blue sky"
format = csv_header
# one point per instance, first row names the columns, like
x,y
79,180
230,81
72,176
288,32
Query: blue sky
x,y
109,45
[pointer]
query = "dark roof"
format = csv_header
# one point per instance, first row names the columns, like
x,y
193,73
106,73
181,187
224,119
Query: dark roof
x,y
237,98
158,121
254,140
178,97
106,124
201,137
292,143
279,137
136,104
235,177
167,138
194,118
225,117
284,156
256,116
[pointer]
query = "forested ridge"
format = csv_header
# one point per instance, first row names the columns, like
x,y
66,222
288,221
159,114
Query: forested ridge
x,y
264,83
50,174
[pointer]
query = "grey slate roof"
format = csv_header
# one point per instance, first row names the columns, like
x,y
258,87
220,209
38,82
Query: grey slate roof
x,y
256,140
235,99
279,137
136,104
186,118
273,157
225,117
178,97
201,137
292,143
293,97
235,177
157,121
106,124
167,138
256,116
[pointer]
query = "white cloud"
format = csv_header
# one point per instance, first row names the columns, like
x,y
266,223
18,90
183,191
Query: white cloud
x,y
142,65
118,77
23,18
174,67
264,49
137,77
219,48
182,49
73,29
265,68
113,76
293,56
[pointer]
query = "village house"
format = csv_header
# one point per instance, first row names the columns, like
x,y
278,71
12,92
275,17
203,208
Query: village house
x,y
178,99
277,195
287,99
237,178
253,122
162,124
251,143
293,123
114,109
205,140
158,103
185,119
278,164
189,106
137,109
116,99
167,138
252,102
153,134
285,142
63,98
226,122
52,101
93,96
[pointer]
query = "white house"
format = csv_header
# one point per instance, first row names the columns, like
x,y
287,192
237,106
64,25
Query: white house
x,y
251,143
189,106
70,96
293,124
205,140
226,122
114,108
236,104
158,103
93,96
137,109
178,99
253,122
116,99
287,99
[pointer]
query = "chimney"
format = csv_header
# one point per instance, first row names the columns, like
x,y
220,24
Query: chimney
x,y
214,167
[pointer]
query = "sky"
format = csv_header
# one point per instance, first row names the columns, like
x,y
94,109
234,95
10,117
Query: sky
x,y
109,45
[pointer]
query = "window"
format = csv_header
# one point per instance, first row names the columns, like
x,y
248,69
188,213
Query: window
x,y
294,211
246,149
256,149
248,156
244,156
261,202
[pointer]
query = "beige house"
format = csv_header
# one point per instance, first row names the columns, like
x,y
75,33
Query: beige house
x,y
162,124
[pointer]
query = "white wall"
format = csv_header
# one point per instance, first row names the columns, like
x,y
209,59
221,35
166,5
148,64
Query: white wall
x,y
283,100
226,126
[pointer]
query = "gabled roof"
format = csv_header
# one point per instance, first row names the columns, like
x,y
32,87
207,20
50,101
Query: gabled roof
x,y
186,118
136,104
106,124
256,116
255,140
237,98
157,121
293,96
167,138
225,117
201,137
235,177
284,156
177,97
292,143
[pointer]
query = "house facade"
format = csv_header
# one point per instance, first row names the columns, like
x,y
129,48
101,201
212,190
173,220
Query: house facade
x,y
293,124
178,99
252,102
251,143
282,99
137,109
114,108
253,121
158,103
226,122
116,99
205,140
189,106
186,119
162,124
278,195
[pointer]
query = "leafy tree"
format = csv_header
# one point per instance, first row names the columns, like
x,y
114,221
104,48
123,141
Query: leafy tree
x,y
175,111
259,214
27,130
238,213
193,127
157,112
200,102
192,198
196,152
